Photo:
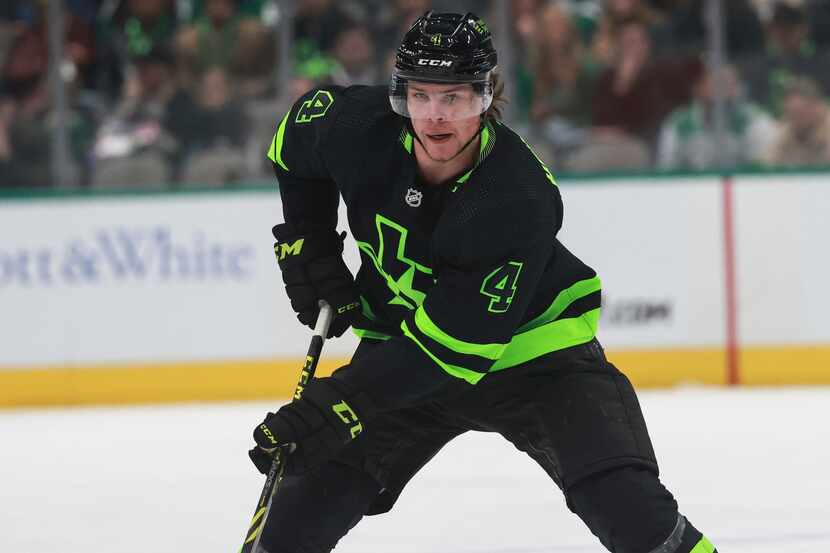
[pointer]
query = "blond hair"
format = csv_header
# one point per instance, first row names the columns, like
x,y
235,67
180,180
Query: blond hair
x,y
494,112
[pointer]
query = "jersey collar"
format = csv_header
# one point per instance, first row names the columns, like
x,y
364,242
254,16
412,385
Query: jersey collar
x,y
488,140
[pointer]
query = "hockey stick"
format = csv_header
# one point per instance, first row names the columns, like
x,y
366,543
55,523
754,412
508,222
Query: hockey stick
x,y
321,330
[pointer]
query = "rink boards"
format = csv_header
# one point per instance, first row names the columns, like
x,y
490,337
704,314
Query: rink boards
x,y
145,298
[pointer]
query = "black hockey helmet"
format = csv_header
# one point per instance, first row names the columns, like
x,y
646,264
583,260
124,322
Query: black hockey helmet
x,y
444,48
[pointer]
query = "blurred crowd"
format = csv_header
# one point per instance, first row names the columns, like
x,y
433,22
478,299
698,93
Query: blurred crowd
x,y
628,84
176,93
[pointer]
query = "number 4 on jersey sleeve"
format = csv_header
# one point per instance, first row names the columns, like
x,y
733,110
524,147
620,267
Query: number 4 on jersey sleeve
x,y
500,286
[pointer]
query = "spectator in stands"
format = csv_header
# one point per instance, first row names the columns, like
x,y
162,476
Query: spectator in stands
x,y
355,57
525,18
310,74
24,161
316,24
394,20
132,147
804,132
27,61
26,126
689,138
585,14
522,32
566,77
210,129
790,51
131,31
26,109
635,94
614,16
223,37
389,23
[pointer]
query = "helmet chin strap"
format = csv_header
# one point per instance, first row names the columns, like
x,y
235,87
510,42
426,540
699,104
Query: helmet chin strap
x,y
460,150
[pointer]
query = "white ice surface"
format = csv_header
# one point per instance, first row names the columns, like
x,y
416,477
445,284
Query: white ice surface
x,y
751,468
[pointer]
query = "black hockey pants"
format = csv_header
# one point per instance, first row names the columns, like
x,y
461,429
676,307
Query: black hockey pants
x,y
572,411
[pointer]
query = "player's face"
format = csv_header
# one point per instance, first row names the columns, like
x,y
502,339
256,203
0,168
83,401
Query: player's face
x,y
444,116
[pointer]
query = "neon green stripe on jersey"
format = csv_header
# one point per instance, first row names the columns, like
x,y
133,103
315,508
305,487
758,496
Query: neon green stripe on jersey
x,y
703,546
453,370
563,299
369,334
369,314
275,150
488,139
406,139
548,174
429,328
549,337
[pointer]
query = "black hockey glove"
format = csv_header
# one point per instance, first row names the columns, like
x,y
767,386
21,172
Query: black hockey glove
x,y
313,269
313,428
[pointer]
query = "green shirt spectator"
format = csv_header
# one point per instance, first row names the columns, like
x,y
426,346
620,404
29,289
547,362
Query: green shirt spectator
x,y
689,139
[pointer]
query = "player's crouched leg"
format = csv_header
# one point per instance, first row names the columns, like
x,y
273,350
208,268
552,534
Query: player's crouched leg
x,y
630,511
310,513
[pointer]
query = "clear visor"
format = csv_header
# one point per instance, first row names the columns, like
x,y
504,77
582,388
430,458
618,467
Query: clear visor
x,y
439,101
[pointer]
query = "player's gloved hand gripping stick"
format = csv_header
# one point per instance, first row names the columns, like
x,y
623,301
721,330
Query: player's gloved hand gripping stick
x,y
312,266
277,465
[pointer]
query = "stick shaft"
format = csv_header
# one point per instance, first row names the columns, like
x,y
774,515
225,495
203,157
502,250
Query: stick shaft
x,y
321,330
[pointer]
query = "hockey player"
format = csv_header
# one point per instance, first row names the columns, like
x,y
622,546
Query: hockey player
x,y
472,315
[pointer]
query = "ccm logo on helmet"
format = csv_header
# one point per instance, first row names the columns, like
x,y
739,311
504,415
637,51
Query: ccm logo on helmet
x,y
439,63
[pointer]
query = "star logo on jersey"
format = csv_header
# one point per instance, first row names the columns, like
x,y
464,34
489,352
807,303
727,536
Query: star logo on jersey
x,y
413,197
407,279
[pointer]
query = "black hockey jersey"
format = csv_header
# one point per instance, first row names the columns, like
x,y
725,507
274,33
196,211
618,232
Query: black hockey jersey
x,y
470,272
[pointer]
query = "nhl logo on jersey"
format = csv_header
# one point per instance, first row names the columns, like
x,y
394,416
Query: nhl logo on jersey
x,y
413,197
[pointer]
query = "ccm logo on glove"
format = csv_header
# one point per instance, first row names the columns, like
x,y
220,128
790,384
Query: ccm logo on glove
x,y
311,261
348,416
342,309
283,249
315,427
268,434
